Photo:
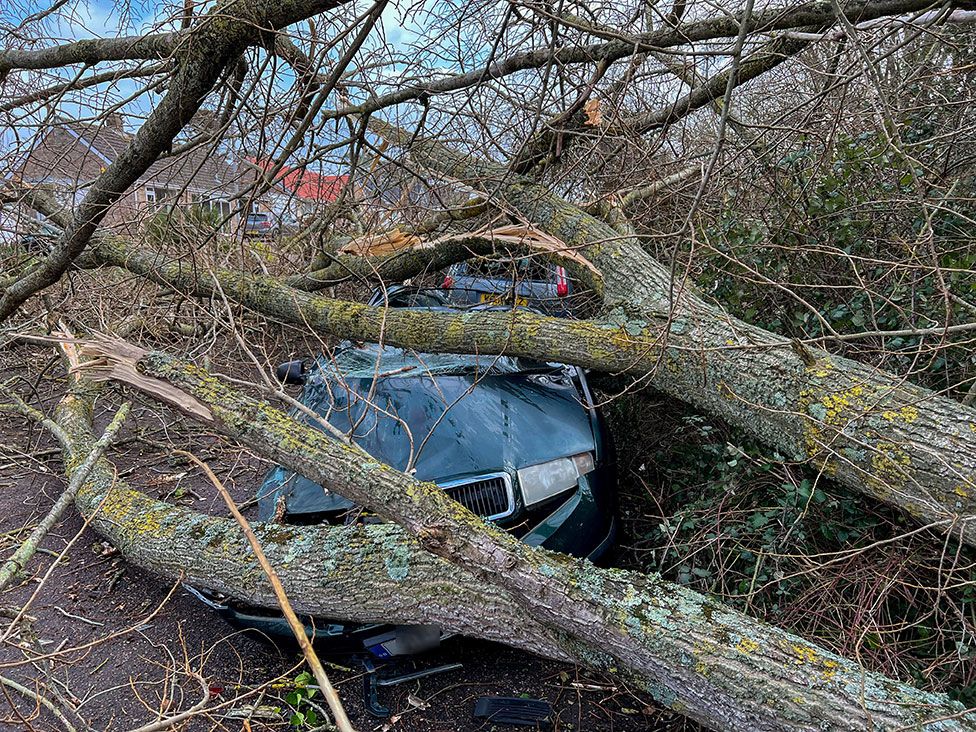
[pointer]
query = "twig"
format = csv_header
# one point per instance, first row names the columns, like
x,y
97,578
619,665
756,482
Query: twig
x,y
328,691
47,703
163,724
78,617
27,550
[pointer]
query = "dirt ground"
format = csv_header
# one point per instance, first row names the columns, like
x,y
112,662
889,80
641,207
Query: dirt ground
x,y
110,647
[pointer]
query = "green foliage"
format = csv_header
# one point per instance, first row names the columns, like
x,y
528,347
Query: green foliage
x,y
303,715
766,510
712,510
862,246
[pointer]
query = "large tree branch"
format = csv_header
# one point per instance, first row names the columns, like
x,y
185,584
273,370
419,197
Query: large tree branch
x,y
417,256
868,429
393,267
712,663
89,52
751,67
346,572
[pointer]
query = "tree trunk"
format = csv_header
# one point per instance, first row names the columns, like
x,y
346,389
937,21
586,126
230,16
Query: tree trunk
x,y
696,656
868,429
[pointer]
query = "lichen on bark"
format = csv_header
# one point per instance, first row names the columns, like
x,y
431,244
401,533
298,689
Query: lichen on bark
x,y
693,654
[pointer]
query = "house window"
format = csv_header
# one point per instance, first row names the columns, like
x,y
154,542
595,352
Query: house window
x,y
222,208
157,197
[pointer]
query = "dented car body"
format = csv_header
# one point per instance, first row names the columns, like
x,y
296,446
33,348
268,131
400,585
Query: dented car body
x,y
518,442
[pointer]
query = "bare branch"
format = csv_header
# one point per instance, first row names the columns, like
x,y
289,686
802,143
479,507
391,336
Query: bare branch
x,y
90,52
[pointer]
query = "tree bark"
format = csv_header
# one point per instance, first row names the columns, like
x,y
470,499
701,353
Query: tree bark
x,y
696,656
869,429
90,51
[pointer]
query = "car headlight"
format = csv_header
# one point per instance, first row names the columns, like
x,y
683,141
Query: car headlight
x,y
545,480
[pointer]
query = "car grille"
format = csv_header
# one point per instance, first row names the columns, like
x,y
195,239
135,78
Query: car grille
x,y
488,496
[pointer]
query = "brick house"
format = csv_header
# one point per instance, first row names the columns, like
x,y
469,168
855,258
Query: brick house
x,y
70,155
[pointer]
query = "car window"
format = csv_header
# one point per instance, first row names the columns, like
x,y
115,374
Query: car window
x,y
257,218
536,269
525,269
489,268
369,360
418,299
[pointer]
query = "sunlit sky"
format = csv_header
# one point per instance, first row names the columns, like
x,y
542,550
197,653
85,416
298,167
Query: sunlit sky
x,y
102,18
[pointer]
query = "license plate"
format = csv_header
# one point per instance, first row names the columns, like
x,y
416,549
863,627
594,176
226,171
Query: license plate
x,y
494,299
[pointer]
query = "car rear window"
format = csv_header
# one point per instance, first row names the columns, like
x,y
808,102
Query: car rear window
x,y
525,269
257,218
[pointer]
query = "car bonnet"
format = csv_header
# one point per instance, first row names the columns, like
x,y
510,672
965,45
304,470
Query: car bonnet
x,y
450,426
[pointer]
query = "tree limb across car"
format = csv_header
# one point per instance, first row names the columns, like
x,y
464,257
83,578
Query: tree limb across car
x,y
684,649
460,170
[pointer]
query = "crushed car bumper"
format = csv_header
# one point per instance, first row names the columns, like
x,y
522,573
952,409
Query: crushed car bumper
x,y
583,525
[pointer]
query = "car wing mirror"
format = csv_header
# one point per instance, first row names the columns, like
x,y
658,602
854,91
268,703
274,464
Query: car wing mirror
x,y
291,372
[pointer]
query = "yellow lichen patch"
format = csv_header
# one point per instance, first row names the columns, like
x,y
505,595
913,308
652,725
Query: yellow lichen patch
x,y
620,338
804,654
747,645
821,367
704,649
905,414
830,669
841,402
961,491
889,467
128,509
827,413
807,655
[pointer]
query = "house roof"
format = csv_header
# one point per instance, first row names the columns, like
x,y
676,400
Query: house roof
x,y
198,168
305,184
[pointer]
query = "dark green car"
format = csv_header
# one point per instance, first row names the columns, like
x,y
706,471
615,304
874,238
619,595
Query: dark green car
x,y
518,442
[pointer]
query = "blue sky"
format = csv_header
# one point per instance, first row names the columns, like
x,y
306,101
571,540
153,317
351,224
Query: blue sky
x,y
102,18
404,44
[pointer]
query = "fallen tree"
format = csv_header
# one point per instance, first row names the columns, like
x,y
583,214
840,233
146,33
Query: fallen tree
x,y
871,430
693,655
868,429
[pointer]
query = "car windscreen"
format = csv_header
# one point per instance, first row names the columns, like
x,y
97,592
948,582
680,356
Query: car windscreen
x,y
256,218
367,361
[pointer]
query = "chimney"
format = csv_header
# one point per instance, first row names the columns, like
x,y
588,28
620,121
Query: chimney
x,y
113,120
